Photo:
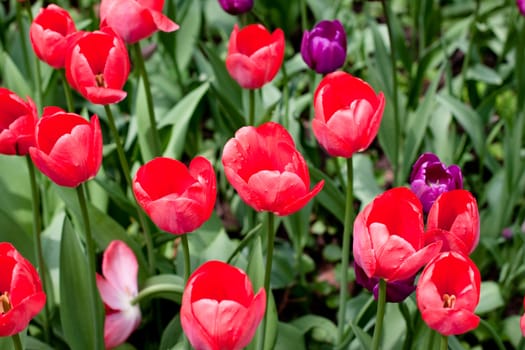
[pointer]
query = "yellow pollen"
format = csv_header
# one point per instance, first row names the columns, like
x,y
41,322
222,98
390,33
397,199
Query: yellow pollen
x,y
449,301
5,303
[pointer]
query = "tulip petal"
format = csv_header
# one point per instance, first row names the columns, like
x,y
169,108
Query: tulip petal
x,y
119,326
118,257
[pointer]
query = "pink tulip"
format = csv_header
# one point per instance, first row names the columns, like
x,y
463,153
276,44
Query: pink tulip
x,y
118,287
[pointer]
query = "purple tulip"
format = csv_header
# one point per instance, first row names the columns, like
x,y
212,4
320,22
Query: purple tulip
x,y
521,6
236,7
430,178
396,292
324,47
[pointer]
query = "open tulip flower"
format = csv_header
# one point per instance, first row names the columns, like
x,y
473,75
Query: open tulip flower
x,y
97,66
49,33
68,148
22,296
18,120
324,47
135,20
266,169
254,55
389,241
454,220
219,309
176,198
430,178
448,293
347,114
118,287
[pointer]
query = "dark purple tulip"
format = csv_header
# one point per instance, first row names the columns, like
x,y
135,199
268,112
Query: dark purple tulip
x,y
324,47
521,6
236,7
396,291
430,178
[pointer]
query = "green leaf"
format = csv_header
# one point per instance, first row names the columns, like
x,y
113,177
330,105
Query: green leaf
x,y
480,72
187,35
79,319
13,78
325,330
365,184
330,197
103,227
164,286
171,334
144,127
289,337
490,297
180,116
364,339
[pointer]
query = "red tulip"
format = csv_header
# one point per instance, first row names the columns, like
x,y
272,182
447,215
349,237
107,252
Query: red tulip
x,y
22,297
219,309
447,293
118,287
97,66
266,169
135,20
347,114
18,119
177,199
389,237
454,220
68,147
254,55
49,35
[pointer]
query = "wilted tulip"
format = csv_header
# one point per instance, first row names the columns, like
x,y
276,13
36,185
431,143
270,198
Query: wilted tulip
x,y
254,55
49,33
18,120
68,148
266,169
324,47
118,286
448,293
389,241
430,178
22,296
176,198
347,114
219,309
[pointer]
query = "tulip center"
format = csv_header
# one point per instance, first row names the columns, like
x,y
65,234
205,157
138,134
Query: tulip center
x,y
449,301
99,78
5,303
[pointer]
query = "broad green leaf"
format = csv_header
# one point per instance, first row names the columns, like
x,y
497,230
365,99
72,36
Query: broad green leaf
x,y
13,78
81,322
289,337
163,286
12,232
104,228
365,183
330,196
15,191
325,330
187,35
180,117
490,297
171,334
480,72
364,339
144,127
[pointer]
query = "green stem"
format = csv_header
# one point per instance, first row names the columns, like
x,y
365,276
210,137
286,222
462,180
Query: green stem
x,y
37,224
67,92
381,302
17,342
90,248
444,343
186,253
251,107
127,174
139,59
303,16
267,274
393,59
23,38
286,97
38,74
347,233
157,289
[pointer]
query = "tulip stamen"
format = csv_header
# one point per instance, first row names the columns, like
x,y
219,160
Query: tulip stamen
x,y
5,303
99,78
449,301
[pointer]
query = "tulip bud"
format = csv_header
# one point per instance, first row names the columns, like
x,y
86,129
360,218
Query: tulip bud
x,y
324,47
236,7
